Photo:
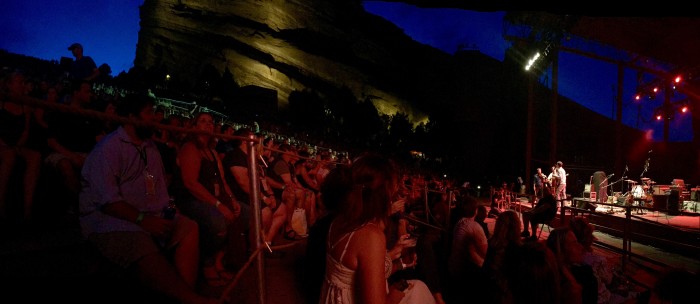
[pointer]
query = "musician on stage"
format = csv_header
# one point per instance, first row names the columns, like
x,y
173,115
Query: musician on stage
x,y
539,182
560,175
552,182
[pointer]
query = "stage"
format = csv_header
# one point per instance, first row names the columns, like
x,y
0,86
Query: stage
x,y
686,217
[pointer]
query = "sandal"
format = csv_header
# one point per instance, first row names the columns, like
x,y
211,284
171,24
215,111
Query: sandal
x,y
293,236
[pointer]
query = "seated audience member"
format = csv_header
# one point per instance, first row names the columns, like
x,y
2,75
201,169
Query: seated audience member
x,y
543,212
224,145
122,210
505,238
15,119
205,197
467,254
71,137
358,263
603,272
236,166
532,275
480,218
303,168
281,178
334,189
569,254
675,285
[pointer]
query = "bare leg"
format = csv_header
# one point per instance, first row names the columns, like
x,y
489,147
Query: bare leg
x,y
156,272
186,258
7,162
289,200
71,179
31,176
278,219
310,206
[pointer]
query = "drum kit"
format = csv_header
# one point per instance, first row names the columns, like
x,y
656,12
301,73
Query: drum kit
x,y
641,192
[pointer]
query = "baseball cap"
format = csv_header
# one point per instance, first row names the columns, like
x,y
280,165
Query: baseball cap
x,y
75,45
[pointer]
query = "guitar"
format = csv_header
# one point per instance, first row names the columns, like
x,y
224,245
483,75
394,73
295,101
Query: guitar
x,y
553,180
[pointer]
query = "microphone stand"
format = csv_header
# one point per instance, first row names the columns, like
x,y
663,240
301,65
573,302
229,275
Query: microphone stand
x,y
611,186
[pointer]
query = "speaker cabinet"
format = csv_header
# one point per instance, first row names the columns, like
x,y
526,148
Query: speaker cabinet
x,y
673,205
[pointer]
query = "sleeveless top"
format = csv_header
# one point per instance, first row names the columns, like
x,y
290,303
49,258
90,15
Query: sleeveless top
x,y
208,176
339,282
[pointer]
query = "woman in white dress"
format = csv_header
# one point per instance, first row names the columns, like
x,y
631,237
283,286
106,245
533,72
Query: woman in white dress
x,y
357,261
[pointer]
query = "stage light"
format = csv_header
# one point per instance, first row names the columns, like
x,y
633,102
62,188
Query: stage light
x,y
684,109
655,90
678,79
637,97
532,61
658,117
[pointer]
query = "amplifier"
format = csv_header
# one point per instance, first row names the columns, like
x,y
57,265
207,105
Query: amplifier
x,y
660,189
695,194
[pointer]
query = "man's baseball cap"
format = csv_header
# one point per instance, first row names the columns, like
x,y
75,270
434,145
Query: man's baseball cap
x,y
75,45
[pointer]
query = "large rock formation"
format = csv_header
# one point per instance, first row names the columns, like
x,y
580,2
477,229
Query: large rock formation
x,y
287,46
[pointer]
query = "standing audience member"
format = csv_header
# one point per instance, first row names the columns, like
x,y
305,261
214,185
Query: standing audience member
x,y
358,263
207,199
83,68
569,254
15,119
122,210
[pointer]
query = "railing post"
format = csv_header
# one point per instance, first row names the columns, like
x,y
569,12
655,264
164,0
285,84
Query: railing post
x,y
627,237
255,203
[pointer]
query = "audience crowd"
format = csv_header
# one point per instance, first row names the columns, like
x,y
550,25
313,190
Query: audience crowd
x,y
377,232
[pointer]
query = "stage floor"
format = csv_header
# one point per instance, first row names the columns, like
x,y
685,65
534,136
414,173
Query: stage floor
x,y
687,217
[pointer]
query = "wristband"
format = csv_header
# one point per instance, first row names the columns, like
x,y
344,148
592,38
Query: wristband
x,y
217,203
139,218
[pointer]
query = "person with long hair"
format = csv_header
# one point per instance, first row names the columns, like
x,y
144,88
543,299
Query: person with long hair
x,y
578,279
206,198
358,264
505,238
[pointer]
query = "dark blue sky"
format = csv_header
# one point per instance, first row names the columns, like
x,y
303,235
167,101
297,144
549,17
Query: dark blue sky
x,y
108,30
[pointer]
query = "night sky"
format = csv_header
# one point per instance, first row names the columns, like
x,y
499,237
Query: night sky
x,y
108,31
